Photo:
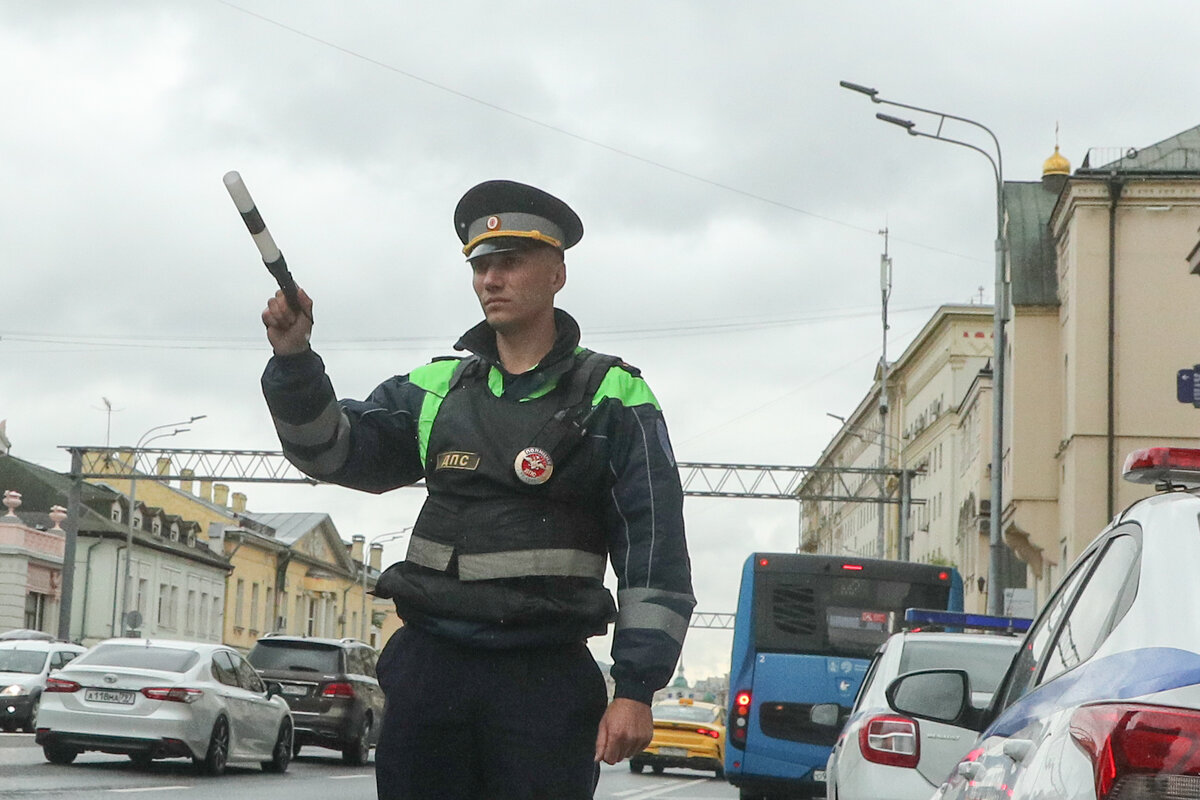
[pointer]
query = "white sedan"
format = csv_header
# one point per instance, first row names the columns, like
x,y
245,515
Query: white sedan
x,y
880,755
153,698
1102,701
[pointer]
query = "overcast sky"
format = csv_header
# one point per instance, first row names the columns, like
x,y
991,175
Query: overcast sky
x,y
731,192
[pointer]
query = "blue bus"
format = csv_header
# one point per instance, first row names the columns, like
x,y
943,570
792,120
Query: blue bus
x,y
805,631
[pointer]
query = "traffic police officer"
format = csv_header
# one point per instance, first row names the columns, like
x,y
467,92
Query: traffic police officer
x,y
543,461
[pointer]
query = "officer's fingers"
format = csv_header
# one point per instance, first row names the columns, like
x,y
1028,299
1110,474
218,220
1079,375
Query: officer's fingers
x,y
278,314
306,303
601,742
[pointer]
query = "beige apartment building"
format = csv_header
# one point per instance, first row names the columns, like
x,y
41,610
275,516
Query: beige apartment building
x,y
938,425
1102,263
1102,319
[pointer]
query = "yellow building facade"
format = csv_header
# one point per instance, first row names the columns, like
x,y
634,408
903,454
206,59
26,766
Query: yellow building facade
x,y
292,573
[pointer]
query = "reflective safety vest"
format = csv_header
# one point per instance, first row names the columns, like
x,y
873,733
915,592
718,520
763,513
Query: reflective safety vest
x,y
512,532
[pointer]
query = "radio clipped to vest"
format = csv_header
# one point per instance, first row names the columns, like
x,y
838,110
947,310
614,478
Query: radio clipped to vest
x,y
566,428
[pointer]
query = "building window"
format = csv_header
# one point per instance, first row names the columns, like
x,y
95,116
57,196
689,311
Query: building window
x,y
156,527
216,617
143,588
269,610
254,606
35,611
204,629
239,600
310,628
189,620
163,601
173,608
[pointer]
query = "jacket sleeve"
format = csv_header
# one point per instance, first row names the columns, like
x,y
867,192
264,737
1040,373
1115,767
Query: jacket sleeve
x,y
647,545
369,444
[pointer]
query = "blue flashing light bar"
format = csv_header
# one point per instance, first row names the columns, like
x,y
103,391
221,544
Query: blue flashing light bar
x,y
955,619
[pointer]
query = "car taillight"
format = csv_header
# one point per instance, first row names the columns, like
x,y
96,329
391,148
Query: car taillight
x,y
1126,739
338,690
741,719
173,694
60,685
709,732
891,740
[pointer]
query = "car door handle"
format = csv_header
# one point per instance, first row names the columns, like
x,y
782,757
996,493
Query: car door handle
x,y
1018,749
968,769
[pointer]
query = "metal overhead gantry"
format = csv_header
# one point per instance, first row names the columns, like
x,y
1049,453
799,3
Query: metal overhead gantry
x,y
270,466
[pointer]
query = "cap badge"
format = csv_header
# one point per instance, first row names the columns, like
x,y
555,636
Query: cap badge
x,y
533,466
493,223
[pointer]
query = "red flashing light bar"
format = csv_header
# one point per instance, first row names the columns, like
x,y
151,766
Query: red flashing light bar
x,y
1155,465
853,567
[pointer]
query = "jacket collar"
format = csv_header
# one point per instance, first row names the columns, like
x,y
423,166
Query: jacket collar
x,y
481,340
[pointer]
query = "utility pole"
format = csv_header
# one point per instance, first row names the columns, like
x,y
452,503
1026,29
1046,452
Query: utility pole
x,y
885,291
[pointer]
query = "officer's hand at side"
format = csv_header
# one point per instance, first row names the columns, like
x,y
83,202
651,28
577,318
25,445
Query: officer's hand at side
x,y
287,331
625,730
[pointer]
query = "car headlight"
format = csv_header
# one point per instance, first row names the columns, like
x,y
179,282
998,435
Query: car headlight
x,y
13,690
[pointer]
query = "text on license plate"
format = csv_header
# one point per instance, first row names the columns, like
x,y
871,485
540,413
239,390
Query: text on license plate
x,y
108,696
674,752
289,689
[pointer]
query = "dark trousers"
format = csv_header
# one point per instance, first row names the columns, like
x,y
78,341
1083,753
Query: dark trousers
x,y
466,723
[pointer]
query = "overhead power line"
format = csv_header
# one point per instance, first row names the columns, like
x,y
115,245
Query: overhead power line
x,y
103,341
873,230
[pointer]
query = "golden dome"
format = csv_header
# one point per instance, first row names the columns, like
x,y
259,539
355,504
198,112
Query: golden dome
x,y
1056,165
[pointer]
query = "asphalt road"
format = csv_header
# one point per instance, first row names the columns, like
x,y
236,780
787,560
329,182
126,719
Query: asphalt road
x,y
316,775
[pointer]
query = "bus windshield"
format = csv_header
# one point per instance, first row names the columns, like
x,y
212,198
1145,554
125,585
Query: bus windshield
x,y
835,614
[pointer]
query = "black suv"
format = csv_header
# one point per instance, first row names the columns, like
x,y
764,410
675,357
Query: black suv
x,y
331,687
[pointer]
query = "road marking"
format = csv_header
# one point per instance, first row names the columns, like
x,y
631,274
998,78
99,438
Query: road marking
x,y
638,794
350,777
151,789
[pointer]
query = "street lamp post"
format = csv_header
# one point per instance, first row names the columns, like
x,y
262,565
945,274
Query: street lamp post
x,y
1000,307
367,545
145,439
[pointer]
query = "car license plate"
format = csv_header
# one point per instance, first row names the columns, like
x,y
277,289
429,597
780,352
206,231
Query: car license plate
x,y
818,774
108,696
673,752
298,690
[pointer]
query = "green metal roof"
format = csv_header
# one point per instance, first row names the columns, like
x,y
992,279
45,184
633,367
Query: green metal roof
x,y
1031,258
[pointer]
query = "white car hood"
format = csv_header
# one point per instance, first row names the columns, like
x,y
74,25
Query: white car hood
x,y
20,678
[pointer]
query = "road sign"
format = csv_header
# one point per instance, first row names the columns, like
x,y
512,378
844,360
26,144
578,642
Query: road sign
x,y
1187,386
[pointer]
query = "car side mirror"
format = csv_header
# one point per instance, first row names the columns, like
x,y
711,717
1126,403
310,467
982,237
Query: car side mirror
x,y
940,695
827,714
274,688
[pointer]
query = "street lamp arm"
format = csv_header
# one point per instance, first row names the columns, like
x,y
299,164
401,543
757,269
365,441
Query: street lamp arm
x,y
968,145
875,98
142,441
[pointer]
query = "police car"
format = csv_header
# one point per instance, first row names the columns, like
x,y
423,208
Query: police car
x,y
881,755
1102,701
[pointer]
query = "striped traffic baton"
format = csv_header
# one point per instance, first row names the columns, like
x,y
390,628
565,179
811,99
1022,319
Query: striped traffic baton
x,y
271,255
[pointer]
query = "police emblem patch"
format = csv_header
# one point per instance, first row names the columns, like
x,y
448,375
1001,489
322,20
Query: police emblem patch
x,y
533,466
493,223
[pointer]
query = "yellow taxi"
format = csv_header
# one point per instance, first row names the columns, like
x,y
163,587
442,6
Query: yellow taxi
x,y
687,733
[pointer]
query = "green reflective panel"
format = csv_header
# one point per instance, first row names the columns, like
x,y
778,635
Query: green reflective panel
x,y
435,380
625,388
